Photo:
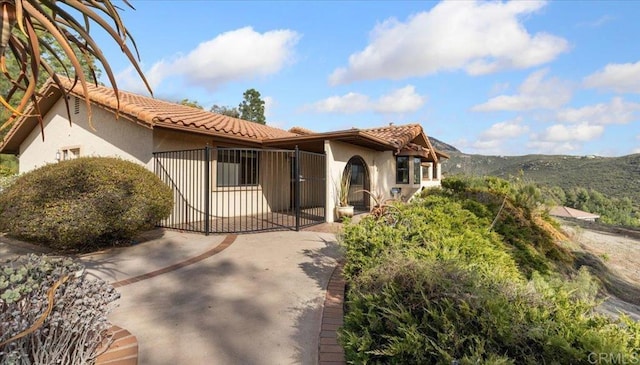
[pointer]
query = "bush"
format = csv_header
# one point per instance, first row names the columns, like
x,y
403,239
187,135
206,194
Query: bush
x,y
431,311
73,330
84,204
440,283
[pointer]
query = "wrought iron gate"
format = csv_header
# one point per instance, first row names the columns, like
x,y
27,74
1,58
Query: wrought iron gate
x,y
224,190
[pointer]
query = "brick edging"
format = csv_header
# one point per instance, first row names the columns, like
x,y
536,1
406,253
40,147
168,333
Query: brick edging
x,y
330,352
228,240
123,350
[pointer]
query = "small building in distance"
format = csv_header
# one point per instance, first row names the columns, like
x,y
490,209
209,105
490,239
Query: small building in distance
x,y
566,212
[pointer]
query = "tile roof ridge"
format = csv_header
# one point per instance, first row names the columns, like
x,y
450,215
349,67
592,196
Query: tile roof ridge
x,y
151,110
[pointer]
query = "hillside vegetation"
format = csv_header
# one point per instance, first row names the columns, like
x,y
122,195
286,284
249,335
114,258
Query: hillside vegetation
x,y
616,177
473,274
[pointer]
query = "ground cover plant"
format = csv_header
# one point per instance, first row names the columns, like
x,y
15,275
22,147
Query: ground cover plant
x,y
470,275
51,313
84,204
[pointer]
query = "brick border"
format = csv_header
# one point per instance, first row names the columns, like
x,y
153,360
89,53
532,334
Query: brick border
x,y
123,350
329,351
231,238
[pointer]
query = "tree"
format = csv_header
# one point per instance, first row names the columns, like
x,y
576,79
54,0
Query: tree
x,y
225,110
191,103
21,22
252,107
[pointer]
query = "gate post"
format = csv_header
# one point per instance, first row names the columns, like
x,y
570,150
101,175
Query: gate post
x,y
207,189
296,170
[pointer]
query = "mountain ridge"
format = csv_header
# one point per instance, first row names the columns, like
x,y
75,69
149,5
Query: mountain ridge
x,y
617,177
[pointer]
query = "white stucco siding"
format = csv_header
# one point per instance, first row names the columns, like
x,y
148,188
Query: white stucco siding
x,y
108,137
168,140
382,173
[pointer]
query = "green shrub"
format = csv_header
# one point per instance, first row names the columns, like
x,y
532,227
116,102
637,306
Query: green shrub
x,y
431,226
84,203
440,283
76,325
431,311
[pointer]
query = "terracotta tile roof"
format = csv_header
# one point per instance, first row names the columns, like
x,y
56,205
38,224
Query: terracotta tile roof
x,y
397,135
301,131
155,112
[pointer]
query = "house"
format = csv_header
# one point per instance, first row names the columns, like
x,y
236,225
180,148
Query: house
x,y
228,174
566,212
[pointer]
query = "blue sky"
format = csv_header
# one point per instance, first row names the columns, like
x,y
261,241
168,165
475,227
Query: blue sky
x,y
505,78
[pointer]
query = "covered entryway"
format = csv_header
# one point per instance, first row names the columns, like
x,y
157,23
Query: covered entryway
x,y
235,190
360,183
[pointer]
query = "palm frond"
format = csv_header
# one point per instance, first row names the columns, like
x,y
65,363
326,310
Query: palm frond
x,y
21,25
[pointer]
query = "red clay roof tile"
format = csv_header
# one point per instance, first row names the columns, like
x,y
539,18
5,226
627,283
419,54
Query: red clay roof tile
x,y
155,112
397,135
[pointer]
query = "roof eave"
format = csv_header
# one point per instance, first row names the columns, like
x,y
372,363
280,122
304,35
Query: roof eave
x,y
209,132
375,143
23,125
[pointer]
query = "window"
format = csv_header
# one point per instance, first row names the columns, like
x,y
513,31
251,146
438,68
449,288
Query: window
x,y
417,175
68,153
426,171
402,170
237,167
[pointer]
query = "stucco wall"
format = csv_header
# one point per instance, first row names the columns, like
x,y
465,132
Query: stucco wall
x,y
169,140
109,137
382,173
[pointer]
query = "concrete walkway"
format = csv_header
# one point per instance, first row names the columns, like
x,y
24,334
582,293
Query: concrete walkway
x,y
221,299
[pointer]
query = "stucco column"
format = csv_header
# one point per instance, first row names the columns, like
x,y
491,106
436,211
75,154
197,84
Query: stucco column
x,y
329,191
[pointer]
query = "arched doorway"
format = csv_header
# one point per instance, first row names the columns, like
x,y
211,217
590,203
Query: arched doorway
x,y
359,183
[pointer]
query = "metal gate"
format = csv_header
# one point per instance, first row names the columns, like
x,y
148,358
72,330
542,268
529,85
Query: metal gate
x,y
234,190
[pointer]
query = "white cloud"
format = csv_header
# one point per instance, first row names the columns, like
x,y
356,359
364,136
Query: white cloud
x,y
129,80
615,112
269,104
534,93
500,137
553,148
620,77
478,37
582,132
235,55
505,130
598,22
348,103
488,146
499,88
401,100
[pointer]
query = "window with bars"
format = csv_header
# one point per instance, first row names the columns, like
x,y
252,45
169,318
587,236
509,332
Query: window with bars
x,y
237,167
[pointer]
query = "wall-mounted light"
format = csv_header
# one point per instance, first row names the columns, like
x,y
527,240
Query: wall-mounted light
x,y
57,155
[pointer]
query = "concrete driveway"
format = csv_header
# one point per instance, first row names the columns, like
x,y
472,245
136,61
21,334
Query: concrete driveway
x,y
246,299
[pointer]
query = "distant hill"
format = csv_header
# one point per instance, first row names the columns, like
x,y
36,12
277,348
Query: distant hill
x,y
614,176
443,147
617,177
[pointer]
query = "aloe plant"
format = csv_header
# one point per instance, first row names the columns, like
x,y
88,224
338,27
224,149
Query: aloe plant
x,y
22,25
